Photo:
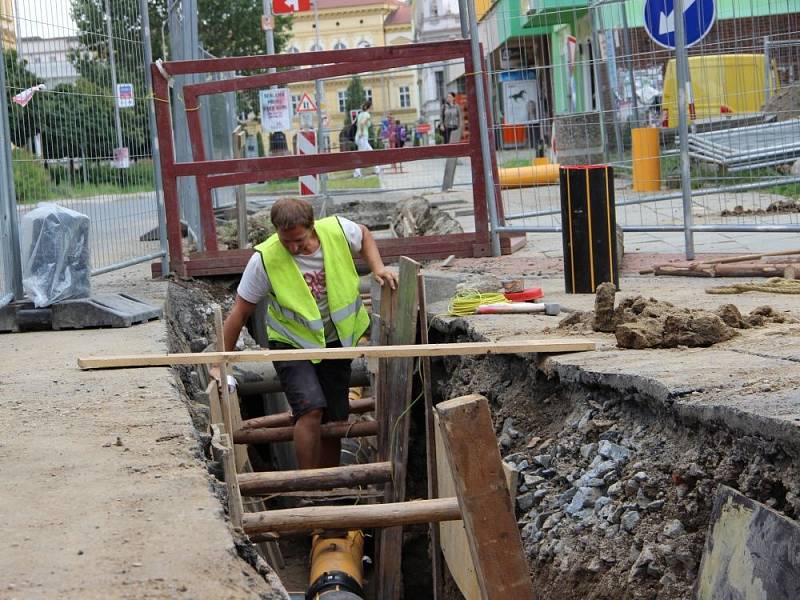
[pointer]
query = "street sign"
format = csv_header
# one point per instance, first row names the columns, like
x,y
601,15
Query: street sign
x,y
125,98
286,7
306,104
276,110
659,20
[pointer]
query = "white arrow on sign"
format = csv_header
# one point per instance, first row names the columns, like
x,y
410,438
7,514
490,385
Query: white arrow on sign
x,y
667,23
293,4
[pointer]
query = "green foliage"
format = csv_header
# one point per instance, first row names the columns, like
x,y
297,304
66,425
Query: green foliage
x,y
355,98
19,78
31,182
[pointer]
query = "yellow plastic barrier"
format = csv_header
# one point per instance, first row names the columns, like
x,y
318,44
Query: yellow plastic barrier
x,y
646,159
540,174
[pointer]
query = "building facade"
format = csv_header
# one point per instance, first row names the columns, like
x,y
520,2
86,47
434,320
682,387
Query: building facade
x,y
358,24
8,35
48,58
436,21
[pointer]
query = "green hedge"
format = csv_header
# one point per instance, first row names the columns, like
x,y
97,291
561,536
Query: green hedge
x,y
31,181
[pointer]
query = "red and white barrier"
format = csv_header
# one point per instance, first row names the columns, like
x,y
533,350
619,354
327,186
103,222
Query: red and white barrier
x,y
307,144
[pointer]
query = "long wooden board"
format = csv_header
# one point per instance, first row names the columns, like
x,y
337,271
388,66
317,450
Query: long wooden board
x,y
546,345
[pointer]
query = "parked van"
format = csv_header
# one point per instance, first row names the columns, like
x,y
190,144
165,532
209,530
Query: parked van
x,y
721,84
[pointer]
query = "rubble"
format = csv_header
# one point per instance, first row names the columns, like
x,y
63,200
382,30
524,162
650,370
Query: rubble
x,y
415,216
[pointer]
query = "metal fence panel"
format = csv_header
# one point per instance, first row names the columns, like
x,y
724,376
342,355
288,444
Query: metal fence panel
x,y
571,84
79,122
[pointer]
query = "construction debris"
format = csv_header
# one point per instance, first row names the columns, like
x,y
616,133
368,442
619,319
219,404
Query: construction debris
x,y
415,216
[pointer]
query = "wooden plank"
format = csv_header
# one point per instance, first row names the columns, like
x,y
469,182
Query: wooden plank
x,y
430,440
544,345
231,412
453,536
235,508
395,400
253,484
286,434
284,419
488,513
751,552
214,405
352,517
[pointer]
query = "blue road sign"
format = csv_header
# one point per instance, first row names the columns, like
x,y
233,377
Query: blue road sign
x,y
659,20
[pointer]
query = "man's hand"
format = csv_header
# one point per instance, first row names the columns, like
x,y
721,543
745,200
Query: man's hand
x,y
213,372
384,276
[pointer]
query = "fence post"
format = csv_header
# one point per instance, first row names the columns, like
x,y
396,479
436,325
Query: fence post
x,y
9,229
682,69
154,149
469,9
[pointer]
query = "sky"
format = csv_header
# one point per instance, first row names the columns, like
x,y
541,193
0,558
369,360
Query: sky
x,y
45,18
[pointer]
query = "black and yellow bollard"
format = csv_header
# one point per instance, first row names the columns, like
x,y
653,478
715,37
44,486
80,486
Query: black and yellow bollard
x,y
337,572
588,227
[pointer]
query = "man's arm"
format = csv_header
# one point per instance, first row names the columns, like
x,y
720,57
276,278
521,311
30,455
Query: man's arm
x,y
232,327
371,255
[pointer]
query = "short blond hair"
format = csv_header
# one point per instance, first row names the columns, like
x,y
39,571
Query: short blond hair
x,y
287,213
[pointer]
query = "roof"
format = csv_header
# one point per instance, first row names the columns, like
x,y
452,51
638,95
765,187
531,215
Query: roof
x,y
400,16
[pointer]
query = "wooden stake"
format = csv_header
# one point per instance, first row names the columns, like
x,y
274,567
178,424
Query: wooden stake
x,y
286,434
545,345
430,441
223,373
500,565
235,508
352,517
254,484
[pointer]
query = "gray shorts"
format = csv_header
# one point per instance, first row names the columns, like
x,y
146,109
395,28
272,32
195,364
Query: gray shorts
x,y
310,386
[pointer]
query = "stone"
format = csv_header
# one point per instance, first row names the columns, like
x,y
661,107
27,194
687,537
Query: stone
x,y
630,520
566,497
522,465
595,483
616,515
583,422
539,494
525,501
584,497
602,502
608,449
655,505
631,487
587,450
543,460
641,476
552,521
673,529
645,333
505,442
533,480
615,490
605,318
595,565
641,565
610,478
508,425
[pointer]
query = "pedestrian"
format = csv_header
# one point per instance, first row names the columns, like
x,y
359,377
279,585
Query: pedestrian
x,y
363,124
306,273
400,134
451,117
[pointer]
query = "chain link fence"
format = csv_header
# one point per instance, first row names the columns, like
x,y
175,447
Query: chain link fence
x,y
588,83
78,121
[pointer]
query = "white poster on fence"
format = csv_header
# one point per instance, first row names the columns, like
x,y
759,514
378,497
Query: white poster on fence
x,y
521,101
276,110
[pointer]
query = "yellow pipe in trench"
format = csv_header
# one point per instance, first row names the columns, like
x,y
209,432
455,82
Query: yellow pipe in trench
x,y
515,177
336,566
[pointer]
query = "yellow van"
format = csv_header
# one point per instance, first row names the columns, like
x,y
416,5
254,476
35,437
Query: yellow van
x,y
721,84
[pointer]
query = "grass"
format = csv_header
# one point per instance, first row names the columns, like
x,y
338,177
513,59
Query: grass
x,y
336,181
516,163
66,192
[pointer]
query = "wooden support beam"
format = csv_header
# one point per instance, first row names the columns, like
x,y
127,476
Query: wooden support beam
x,y
284,419
286,434
225,400
235,508
352,517
494,540
545,345
272,482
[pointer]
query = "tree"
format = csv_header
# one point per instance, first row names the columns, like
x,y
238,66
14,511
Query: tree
x,y
19,78
354,99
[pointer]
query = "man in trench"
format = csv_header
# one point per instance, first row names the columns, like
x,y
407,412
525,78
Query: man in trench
x,y
307,274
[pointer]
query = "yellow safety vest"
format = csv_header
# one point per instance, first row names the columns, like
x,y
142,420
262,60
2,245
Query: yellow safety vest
x,y
292,313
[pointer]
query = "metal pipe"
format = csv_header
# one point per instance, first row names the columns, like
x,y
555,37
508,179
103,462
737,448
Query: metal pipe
x,y
486,155
113,65
682,64
9,227
154,148
319,92
596,54
670,228
767,74
129,263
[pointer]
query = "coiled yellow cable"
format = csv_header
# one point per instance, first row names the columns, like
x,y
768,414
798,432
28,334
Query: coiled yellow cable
x,y
467,302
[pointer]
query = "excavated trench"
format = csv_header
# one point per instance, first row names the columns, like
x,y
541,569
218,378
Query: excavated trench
x,y
615,490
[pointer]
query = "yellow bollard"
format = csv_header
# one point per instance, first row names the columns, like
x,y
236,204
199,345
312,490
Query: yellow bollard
x,y
646,159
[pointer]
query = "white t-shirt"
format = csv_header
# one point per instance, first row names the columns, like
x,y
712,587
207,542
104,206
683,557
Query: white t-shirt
x,y
255,284
362,123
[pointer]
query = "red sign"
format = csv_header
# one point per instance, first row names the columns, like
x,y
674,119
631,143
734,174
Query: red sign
x,y
285,7
423,128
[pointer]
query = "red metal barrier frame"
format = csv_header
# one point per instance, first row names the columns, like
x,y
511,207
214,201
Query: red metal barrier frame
x,y
211,174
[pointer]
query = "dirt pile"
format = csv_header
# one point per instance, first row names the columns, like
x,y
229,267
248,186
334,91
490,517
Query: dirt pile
x,y
790,205
415,216
638,322
784,104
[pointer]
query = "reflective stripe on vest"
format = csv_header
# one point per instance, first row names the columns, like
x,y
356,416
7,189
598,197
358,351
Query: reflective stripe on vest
x,y
301,325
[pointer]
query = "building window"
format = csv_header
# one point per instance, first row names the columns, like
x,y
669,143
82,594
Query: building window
x,y
316,47
295,102
364,44
434,9
340,45
439,75
368,94
405,96
342,96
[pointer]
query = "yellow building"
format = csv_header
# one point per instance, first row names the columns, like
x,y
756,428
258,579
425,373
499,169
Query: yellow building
x,y
358,24
8,34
